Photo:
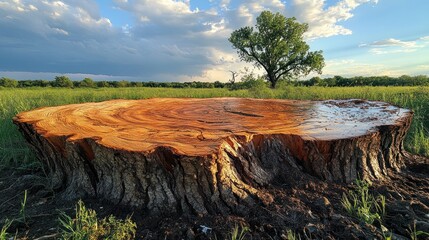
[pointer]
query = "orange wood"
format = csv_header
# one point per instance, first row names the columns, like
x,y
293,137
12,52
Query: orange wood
x,y
197,127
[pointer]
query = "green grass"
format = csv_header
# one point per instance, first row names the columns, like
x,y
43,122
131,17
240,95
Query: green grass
x,y
414,233
86,225
15,152
4,235
361,204
291,235
238,233
22,210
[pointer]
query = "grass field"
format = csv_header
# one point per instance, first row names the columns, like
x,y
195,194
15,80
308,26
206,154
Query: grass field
x,y
14,151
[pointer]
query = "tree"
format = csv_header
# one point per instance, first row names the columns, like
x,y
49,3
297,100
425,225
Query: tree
x,y
62,81
122,83
233,76
278,46
103,84
87,83
314,81
8,82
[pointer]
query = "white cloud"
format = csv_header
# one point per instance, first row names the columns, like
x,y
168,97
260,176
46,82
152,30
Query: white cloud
x,y
221,71
391,42
60,31
322,21
425,38
351,67
17,6
42,18
392,45
161,11
85,18
224,4
215,27
32,7
423,67
380,51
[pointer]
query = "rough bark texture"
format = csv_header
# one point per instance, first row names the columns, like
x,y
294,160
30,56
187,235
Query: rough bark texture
x,y
205,156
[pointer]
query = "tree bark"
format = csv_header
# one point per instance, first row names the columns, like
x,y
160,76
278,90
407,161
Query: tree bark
x,y
272,79
207,156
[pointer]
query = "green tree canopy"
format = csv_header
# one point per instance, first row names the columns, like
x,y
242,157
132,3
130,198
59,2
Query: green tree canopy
x,y
103,84
62,81
123,83
8,82
277,45
87,83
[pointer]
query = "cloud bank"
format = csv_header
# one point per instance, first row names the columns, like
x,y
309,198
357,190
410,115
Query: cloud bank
x,y
168,40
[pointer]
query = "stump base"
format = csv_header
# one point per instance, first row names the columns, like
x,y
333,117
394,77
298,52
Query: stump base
x,y
206,156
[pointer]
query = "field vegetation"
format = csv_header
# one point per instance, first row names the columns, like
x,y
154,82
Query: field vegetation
x,y
246,79
14,151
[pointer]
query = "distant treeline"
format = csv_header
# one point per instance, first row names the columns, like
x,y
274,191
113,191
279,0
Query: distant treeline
x,y
338,81
247,82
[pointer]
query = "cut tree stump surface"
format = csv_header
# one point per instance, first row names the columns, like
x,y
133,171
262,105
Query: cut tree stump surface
x,y
210,155
197,127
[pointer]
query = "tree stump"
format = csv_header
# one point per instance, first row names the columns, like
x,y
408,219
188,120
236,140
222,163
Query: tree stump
x,y
214,155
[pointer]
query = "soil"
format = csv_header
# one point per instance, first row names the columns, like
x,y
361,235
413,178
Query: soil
x,y
306,205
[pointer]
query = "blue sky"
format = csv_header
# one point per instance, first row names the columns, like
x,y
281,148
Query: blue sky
x,y
173,40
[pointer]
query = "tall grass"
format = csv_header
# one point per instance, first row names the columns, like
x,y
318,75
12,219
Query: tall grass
x,y
4,235
86,225
237,234
362,205
14,151
414,233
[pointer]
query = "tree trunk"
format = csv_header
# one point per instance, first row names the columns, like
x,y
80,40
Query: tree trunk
x,y
206,156
273,80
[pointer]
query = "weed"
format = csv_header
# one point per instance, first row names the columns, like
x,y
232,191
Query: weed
x,y
237,234
414,234
291,235
387,235
3,232
363,205
22,215
86,225
380,206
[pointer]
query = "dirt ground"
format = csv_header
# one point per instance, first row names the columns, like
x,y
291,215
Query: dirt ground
x,y
306,205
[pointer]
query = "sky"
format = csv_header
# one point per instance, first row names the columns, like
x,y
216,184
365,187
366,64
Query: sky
x,y
187,40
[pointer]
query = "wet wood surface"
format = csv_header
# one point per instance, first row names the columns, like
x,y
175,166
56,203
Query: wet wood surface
x,y
198,126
